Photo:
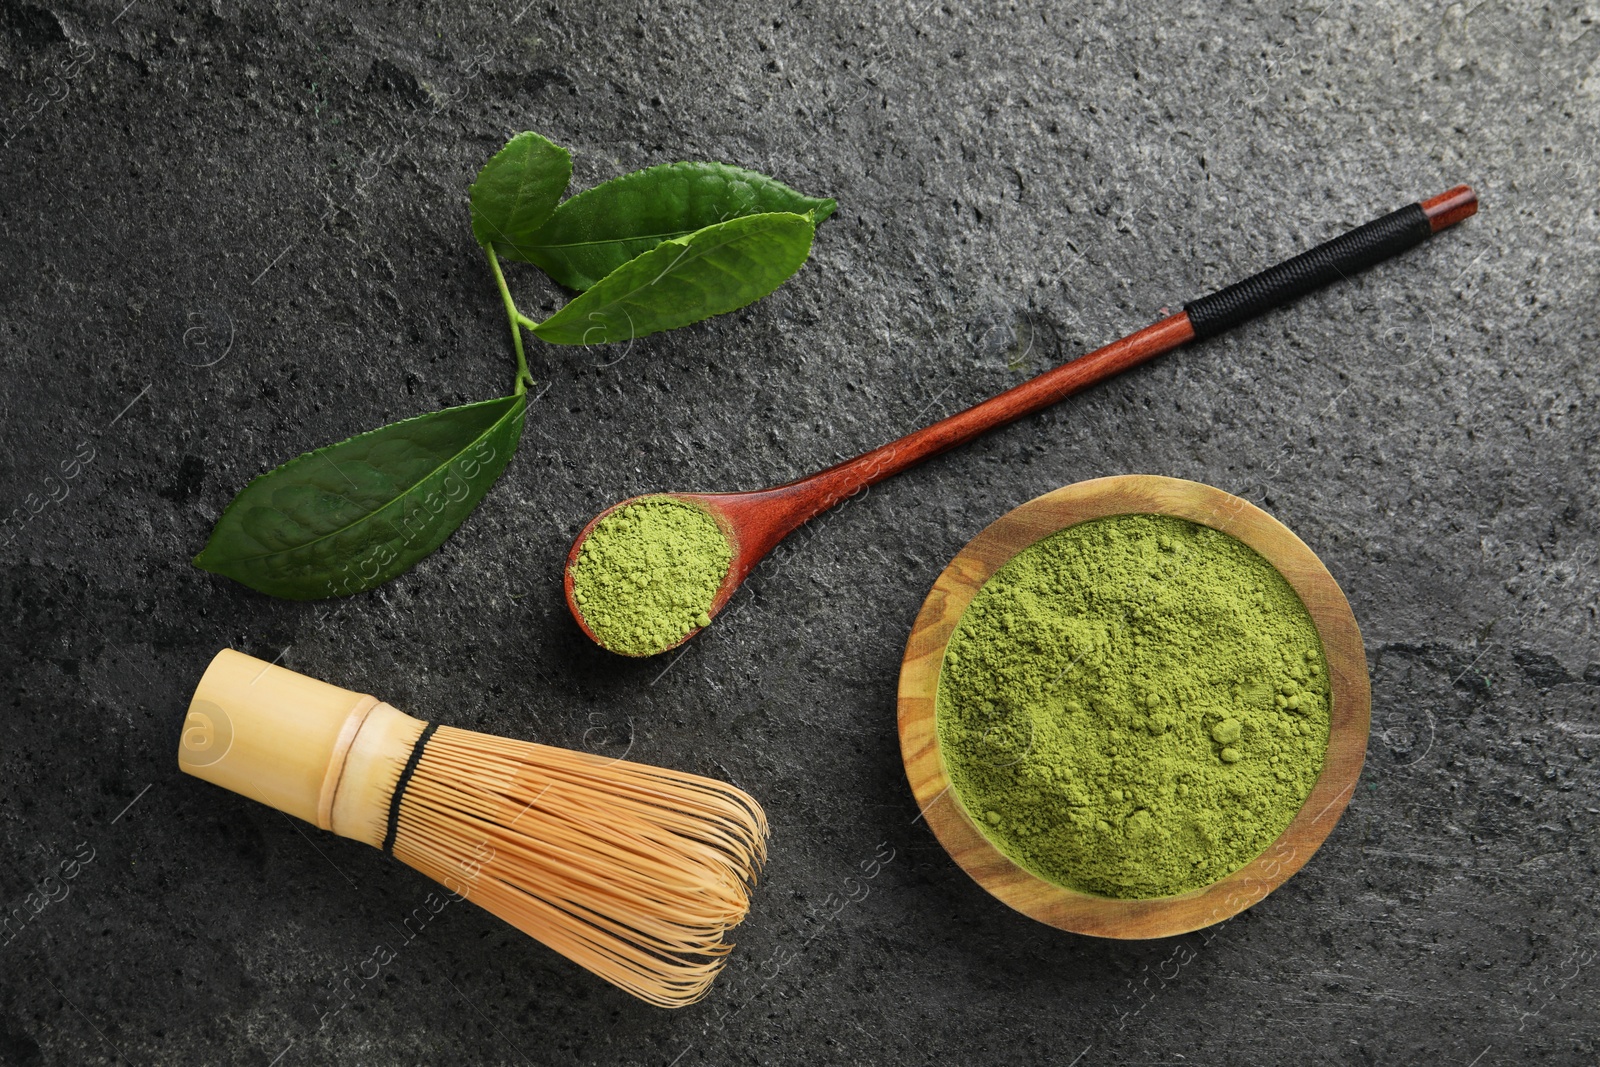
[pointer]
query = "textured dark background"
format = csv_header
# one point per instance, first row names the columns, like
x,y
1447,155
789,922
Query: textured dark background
x,y
233,232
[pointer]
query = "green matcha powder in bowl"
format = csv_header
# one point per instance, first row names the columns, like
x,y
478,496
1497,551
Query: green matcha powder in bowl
x,y
1134,706
647,574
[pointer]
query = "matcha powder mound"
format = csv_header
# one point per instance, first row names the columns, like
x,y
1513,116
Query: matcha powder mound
x,y
647,574
1134,707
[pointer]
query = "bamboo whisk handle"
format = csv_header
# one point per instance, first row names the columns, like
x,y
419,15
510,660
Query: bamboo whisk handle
x,y
312,750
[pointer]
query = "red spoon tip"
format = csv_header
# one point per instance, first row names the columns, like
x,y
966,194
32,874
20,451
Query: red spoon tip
x,y
1449,208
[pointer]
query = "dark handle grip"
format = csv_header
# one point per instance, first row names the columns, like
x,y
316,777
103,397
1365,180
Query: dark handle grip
x,y
1346,254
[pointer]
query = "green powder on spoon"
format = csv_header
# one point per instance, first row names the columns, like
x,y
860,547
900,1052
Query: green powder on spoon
x,y
1134,706
648,573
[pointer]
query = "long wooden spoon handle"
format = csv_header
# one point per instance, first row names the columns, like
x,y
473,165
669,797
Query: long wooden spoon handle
x,y
1344,255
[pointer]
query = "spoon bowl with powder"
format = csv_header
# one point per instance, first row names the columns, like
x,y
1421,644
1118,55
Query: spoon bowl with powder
x,y
650,572
660,567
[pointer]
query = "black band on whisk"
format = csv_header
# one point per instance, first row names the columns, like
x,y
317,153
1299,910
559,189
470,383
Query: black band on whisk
x,y
400,786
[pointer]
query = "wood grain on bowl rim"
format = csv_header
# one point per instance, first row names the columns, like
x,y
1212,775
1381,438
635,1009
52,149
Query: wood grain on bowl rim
x,y
1350,704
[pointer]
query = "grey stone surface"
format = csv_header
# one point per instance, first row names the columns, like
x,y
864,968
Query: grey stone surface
x,y
232,232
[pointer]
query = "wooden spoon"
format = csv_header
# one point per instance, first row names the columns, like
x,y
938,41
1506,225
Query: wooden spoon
x,y
754,522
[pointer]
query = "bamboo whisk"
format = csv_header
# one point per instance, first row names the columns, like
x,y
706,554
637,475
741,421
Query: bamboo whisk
x,y
633,872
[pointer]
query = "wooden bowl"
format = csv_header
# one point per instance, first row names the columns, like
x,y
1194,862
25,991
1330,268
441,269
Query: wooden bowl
x,y
1350,706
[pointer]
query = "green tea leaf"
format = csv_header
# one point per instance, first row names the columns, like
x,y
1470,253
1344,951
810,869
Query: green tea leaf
x,y
354,514
599,230
720,268
518,189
